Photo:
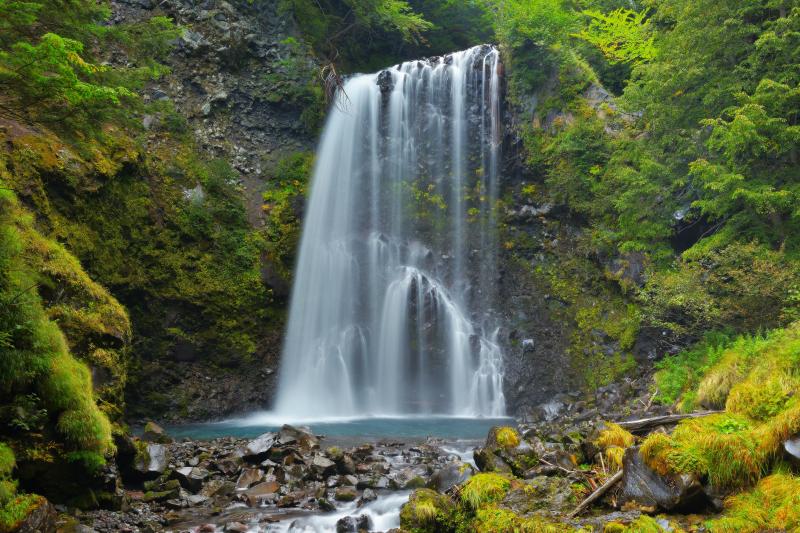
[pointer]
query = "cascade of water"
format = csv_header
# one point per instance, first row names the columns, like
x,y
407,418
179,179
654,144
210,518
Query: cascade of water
x,y
395,280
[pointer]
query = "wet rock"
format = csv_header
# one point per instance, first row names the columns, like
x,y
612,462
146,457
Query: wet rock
x,y
297,436
644,489
353,524
191,478
261,492
235,527
258,449
248,478
345,494
155,433
385,81
323,466
151,461
450,475
368,495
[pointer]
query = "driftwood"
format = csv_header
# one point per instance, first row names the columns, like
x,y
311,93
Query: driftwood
x,y
610,482
644,424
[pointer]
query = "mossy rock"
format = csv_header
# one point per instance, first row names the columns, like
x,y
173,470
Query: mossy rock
x,y
427,511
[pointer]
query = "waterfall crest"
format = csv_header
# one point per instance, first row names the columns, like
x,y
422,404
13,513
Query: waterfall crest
x,y
396,275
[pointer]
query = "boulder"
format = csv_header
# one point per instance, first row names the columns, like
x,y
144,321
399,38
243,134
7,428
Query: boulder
x,y
506,452
353,524
542,493
248,478
368,495
191,478
155,433
450,475
151,460
258,449
427,510
300,437
322,466
41,518
345,494
644,489
263,491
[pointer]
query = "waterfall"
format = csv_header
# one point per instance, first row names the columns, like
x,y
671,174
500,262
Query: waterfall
x,y
391,309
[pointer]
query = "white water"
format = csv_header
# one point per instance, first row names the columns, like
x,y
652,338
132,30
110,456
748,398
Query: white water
x,y
396,275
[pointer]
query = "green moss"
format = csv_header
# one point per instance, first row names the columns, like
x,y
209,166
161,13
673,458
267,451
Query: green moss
x,y
427,511
7,460
492,519
507,437
484,488
16,510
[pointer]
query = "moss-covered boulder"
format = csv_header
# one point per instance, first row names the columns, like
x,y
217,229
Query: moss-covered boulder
x,y
427,511
507,452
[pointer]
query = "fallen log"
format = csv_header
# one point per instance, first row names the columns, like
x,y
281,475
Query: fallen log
x,y
643,424
610,482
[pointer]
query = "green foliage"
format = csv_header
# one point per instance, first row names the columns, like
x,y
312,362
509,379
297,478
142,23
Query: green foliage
x,y
773,505
623,36
507,437
427,511
755,379
16,510
297,83
37,360
678,376
7,461
282,203
333,26
483,488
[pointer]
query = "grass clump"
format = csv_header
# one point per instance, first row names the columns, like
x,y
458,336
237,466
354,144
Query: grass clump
x,y
507,437
773,505
484,488
612,442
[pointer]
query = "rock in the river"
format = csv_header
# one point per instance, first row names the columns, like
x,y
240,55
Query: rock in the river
x,y
643,488
345,494
323,466
155,433
258,449
248,478
191,478
353,524
301,437
263,491
450,475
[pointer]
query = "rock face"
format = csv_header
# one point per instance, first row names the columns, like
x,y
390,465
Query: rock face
x,y
229,79
645,489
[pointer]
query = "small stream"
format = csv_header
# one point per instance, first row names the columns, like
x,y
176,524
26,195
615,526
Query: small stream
x,y
455,437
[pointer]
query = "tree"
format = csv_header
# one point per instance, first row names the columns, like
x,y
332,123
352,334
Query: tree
x,y
624,36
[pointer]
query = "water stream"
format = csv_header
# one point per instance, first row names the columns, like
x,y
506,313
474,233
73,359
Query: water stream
x,y
391,310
